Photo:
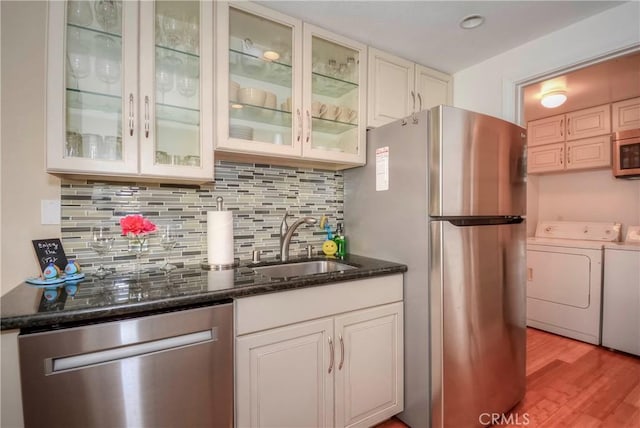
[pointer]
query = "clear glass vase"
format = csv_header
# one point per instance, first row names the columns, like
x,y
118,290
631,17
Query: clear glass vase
x,y
138,245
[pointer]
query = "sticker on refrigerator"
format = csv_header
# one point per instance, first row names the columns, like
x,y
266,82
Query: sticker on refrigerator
x,y
382,169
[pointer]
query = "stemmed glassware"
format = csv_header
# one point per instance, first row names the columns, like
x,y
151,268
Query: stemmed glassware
x,y
108,64
101,242
77,56
168,240
108,14
79,12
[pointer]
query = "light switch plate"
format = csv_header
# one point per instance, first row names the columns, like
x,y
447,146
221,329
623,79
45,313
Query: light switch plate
x,y
50,211
633,234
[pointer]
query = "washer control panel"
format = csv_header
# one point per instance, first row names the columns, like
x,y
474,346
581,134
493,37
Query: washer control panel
x,y
588,231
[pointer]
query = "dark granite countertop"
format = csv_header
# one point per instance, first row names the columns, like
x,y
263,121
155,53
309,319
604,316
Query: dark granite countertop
x,y
120,296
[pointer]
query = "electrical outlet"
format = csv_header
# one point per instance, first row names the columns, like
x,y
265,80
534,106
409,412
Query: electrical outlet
x,y
49,211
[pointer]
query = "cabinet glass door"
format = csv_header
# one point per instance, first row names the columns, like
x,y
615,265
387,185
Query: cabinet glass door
x,y
94,80
335,96
261,81
176,134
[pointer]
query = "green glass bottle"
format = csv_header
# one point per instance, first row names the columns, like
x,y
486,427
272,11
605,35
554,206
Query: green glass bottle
x,y
340,241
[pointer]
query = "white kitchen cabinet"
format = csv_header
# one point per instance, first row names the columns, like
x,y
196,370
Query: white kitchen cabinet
x,y
287,92
572,141
587,153
124,94
589,122
321,356
625,115
545,158
579,124
546,131
398,87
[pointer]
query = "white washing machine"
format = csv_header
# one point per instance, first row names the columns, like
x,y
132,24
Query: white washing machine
x,y
621,297
564,277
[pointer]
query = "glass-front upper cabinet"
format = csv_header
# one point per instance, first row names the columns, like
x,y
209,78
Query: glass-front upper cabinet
x,y
334,93
124,96
259,67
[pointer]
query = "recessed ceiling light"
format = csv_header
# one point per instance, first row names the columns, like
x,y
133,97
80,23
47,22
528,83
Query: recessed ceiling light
x,y
553,99
472,21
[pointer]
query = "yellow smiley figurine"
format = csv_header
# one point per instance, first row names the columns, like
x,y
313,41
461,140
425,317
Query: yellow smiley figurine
x,y
329,248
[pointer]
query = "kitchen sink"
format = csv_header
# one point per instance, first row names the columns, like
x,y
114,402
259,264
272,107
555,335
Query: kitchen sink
x,y
302,268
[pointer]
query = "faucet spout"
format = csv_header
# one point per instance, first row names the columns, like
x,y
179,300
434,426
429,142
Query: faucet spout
x,y
284,247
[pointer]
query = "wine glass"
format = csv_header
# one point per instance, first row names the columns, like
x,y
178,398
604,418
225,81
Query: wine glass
x,y
79,13
101,242
168,241
108,14
108,64
77,56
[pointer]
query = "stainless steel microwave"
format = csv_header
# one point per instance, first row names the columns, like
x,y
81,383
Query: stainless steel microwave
x,y
626,154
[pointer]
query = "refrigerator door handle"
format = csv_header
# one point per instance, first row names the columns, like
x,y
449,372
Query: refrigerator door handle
x,y
482,221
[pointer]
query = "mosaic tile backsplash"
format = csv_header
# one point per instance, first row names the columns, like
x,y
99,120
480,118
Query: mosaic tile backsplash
x,y
258,195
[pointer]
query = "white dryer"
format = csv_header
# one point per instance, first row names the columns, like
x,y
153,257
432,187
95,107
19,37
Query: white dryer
x,y
621,301
564,277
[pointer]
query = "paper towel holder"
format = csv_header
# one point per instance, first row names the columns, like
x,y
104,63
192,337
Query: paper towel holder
x,y
212,266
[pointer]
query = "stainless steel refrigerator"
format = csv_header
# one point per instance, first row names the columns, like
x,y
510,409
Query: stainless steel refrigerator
x,y
444,192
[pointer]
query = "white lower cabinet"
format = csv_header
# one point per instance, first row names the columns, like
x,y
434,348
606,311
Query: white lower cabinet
x,y
342,370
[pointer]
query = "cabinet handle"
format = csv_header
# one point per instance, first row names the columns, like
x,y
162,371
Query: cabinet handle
x,y
146,116
131,115
561,127
299,124
568,155
569,126
341,353
561,154
413,95
308,126
331,351
420,100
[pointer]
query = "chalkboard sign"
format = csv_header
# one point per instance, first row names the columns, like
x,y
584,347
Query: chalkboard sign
x,y
50,251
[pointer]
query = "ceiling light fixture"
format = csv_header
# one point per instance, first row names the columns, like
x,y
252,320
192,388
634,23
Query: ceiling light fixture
x,y
471,21
553,99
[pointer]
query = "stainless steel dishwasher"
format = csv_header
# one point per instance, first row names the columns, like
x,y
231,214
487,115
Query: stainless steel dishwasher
x,y
172,369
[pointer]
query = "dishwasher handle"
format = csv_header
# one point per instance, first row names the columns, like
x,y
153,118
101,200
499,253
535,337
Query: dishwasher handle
x,y
54,365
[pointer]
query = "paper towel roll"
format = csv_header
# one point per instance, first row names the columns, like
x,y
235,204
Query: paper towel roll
x,y
220,237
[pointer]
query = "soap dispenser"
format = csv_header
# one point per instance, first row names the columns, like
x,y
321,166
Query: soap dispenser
x,y
340,241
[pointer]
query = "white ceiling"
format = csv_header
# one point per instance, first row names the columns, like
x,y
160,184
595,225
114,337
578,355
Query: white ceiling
x,y
427,32
608,81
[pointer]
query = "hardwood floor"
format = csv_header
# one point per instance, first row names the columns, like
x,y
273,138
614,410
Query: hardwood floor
x,y
573,384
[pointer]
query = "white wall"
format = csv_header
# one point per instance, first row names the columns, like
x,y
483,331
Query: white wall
x,y
490,87
23,180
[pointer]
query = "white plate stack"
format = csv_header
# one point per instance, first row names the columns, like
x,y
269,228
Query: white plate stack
x,y
240,131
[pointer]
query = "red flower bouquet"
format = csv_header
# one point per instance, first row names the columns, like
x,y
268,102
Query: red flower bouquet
x,y
136,228
135,224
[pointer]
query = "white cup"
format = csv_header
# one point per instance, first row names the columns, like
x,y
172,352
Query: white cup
x,y
270,100
318,109
333,111
286,106
347,115
277,139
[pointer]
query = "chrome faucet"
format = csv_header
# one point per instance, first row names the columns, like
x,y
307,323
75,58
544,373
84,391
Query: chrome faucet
x,y
286,239
284,227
